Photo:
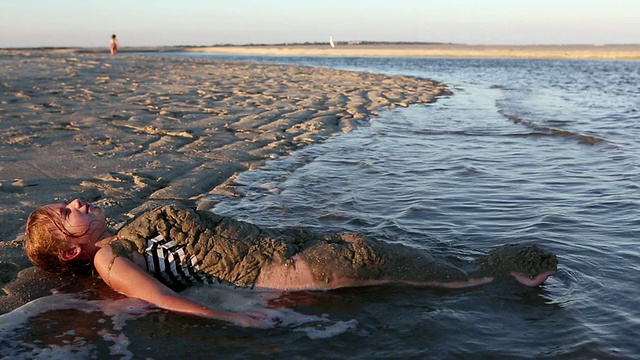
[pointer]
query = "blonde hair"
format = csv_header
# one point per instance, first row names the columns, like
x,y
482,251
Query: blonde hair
x,y
44,242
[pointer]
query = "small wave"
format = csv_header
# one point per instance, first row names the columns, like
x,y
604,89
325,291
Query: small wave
x,y
447,132
550,131
562,287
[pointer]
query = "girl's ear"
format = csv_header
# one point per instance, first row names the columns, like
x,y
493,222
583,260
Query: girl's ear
x,y
71,252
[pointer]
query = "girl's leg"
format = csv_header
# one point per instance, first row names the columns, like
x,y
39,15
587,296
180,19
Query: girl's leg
x,y
351,260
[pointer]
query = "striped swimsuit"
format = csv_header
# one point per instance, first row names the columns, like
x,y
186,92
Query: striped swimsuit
x,y
168,262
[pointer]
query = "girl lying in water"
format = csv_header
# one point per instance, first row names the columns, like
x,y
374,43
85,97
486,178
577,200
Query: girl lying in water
x,y
169,247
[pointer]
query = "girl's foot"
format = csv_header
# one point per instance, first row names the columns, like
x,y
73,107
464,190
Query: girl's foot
x,y
529,264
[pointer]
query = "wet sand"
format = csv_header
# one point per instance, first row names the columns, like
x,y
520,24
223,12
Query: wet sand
x,y
129,132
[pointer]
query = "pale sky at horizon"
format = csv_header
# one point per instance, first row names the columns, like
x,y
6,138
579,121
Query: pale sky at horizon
x,y
87,23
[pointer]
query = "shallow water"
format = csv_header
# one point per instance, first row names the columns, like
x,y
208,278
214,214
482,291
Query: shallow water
x,y
534,151
525,151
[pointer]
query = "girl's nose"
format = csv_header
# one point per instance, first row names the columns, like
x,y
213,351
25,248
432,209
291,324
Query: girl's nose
x,y
76,203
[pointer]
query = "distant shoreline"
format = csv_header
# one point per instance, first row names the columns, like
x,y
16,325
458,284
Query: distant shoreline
x,y
584,52
577,52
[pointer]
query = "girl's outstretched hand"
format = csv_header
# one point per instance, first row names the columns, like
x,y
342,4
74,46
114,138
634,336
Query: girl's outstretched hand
x,y
254,319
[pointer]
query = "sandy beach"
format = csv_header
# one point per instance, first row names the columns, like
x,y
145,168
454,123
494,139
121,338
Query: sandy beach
x,y
129,131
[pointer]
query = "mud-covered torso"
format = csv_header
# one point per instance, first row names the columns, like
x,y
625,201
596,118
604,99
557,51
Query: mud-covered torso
x,y
235,252
204,247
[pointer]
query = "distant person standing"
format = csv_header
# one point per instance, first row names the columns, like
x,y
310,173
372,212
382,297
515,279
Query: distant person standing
x,y
113,45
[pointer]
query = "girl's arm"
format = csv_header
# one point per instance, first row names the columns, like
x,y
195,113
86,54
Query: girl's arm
x,y
129,279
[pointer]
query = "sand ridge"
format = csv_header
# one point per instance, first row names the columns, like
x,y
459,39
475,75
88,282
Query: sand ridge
x,y
574,52
130,131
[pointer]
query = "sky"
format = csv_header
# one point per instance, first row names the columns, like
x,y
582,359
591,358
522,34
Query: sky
x,y
90,23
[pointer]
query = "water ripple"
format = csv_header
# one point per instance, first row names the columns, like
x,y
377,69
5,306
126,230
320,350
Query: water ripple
x,y
551,131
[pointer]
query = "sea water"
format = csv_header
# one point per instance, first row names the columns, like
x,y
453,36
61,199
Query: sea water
x,y
527,151
533,151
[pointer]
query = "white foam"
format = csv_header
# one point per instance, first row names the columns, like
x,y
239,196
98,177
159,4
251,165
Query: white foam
x,y
12,320
120,343
324,332
229,298
236,299
119,310
53,352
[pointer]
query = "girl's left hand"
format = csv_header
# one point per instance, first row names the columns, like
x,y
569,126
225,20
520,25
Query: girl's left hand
x,y
254,319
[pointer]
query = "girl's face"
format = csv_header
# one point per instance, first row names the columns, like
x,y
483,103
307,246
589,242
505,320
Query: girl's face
x,y
82,220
